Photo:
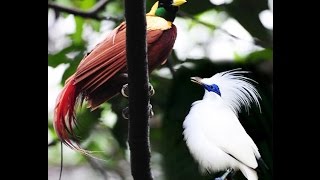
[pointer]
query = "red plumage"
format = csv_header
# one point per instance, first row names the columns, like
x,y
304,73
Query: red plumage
x,y
101,75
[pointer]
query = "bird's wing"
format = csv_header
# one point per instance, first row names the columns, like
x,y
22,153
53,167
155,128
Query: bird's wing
x,y
107,59
229,135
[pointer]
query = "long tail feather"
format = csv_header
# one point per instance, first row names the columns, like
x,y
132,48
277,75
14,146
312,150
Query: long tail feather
x,y
64,114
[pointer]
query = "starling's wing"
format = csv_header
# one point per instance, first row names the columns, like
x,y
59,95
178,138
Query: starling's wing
x,y
224,129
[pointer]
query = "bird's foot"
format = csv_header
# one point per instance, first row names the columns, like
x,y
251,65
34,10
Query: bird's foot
x,y
125,112
151,91
224,176
151,113
125,90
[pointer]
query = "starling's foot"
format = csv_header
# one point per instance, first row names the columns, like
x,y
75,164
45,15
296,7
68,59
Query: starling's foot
x,y
125,112
224,176
125,90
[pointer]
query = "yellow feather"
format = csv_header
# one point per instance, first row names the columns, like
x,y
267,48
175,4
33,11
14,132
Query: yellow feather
x,y
152,12
157,23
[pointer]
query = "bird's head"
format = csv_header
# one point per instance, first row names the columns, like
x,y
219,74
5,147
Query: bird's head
x,y
166,9
205,83
232,86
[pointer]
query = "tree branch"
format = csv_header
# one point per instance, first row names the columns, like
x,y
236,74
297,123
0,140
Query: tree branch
x,y
138,79
92,13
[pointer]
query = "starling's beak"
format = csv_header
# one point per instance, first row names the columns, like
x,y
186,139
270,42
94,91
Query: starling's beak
x,y
197,80
178,2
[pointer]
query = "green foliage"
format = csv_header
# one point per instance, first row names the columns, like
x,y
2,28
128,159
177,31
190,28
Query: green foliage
x,y
86,122
77,36
265,54
59,58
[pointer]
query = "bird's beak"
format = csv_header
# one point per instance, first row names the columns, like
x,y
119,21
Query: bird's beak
x,y
196,80
178,2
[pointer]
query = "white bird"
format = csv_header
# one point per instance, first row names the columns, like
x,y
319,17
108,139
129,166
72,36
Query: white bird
x,y
212,131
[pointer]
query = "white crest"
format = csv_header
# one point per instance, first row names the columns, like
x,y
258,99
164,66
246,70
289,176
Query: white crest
x,y
236,89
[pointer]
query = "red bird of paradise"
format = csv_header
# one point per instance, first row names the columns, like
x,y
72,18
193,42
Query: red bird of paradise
x,y
102,73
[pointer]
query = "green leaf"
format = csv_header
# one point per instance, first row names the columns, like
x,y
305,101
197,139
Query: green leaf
x,y
86,122
115,8
73,67
87,4
265,54
77,36
59,58
95,25
67,3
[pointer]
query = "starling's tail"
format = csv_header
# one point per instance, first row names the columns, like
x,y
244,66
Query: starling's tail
x,y
248,172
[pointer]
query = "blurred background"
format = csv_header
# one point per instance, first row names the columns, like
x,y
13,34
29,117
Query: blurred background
x,y
213,36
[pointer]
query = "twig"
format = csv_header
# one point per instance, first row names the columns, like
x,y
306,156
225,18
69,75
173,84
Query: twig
x,y
256,41
92,13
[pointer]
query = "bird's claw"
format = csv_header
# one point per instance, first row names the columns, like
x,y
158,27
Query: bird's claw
x,y
225,175
218,178
125,112
151,90
125,90
151,113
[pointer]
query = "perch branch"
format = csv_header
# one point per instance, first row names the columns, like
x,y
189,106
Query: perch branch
x,y
92,13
